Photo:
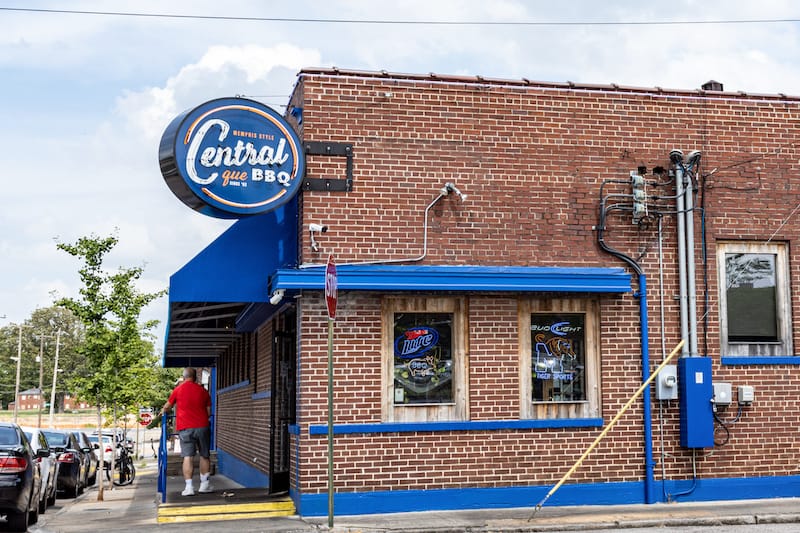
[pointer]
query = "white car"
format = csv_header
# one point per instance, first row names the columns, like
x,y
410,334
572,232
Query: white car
x,y
47,465
108,447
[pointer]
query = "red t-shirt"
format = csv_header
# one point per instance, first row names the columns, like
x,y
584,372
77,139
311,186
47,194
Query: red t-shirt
x,y
191,401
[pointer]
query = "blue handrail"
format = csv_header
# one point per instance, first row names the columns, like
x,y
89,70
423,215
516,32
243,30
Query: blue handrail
x,y
162,459
162,451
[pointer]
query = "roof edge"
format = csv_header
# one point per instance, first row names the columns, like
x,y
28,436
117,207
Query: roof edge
x,y
526,83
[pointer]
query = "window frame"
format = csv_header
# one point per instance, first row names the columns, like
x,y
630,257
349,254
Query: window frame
x,y
552,410
458,410
783,312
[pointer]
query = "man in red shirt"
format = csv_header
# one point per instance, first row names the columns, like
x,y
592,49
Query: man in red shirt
x,y
192,410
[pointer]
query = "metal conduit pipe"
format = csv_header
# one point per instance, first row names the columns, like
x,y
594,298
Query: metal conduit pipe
x,y
447,189
691,162
676,157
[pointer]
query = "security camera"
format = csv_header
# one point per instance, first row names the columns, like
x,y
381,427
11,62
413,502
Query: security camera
x,y
277,296
318,228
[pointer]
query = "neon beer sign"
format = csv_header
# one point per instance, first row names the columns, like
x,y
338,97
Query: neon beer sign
x,y
232,157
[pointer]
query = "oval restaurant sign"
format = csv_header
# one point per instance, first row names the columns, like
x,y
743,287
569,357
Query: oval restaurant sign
x,y
232,157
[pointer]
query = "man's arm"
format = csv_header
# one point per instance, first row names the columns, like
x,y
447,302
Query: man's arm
x,y
167,408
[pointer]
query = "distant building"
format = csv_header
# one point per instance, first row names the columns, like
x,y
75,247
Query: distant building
x,y
28,400
32,399
72,403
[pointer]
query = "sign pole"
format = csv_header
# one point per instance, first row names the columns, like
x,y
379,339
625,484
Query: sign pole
x,y
331,296
330,422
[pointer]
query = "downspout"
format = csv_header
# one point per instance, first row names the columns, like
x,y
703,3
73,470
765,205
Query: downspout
x,y
649,463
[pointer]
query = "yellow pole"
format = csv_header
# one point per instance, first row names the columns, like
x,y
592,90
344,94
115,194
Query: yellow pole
x,y
607,428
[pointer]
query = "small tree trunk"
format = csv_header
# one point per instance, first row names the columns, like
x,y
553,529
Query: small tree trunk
x,y
102,454
113,449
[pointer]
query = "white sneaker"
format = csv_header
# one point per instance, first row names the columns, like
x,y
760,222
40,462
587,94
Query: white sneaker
x,y
188,491
205,486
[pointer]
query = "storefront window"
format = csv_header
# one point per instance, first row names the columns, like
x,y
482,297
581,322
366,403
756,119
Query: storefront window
x,y
424,374
558,357
423,358
755,301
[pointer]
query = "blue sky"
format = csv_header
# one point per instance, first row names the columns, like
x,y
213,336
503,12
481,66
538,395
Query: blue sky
x,y
84,98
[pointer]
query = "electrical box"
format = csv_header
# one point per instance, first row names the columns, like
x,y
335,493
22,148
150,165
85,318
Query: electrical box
x,y
695,391
667,383
746,394
722,394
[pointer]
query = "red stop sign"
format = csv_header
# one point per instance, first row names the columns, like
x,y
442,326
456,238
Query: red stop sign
x,y
331,290
145,418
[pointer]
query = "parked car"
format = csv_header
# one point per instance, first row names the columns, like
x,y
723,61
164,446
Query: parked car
x,y
93,465
48,467
20,478
72,461
108,448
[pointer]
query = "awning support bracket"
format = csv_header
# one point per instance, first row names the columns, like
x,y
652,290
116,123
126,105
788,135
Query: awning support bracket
x,y
334,150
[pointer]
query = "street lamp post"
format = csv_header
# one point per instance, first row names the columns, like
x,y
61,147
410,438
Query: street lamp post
x,y
40,360
55,373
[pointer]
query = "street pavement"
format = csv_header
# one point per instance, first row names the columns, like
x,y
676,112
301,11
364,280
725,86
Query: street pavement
x,y
135,508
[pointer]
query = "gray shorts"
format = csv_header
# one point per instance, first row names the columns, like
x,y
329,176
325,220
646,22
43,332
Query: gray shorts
x,y
195,440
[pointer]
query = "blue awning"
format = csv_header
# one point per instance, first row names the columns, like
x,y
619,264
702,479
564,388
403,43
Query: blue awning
x,y
224,282
458,278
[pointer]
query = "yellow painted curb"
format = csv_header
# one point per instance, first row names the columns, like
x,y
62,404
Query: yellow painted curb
x,y
281,505
221,516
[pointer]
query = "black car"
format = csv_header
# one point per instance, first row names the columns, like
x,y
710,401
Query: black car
x,y
93,459
20,478
72,461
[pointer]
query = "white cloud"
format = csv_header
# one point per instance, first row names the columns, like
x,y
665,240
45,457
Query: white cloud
x,y
85,99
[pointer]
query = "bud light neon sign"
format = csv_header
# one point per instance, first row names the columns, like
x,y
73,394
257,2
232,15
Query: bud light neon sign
x,y
416,342
232,157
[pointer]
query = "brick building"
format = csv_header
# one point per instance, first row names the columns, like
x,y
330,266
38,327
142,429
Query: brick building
x,y
514,259
29,399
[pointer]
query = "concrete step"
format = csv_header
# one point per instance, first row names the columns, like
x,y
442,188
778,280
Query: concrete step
x,y
186,512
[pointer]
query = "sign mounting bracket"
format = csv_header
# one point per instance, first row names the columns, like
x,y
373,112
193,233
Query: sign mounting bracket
x,y
332,149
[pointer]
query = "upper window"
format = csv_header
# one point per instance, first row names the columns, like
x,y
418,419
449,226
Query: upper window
x,y
559,359
424,359
755,314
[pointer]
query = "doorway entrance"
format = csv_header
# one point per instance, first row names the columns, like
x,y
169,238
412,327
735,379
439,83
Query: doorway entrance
x,y
283,399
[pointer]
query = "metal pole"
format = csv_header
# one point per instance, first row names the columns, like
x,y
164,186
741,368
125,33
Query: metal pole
x,y
16,386
330,422
41,392
610,425
55,373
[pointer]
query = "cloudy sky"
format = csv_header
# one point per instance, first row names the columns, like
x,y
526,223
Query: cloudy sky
x,y
84,98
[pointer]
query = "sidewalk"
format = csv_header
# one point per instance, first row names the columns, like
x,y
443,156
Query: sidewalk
x,y
134,508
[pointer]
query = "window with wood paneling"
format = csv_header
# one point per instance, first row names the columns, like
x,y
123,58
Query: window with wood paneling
x,y
755,311
559,358
424,359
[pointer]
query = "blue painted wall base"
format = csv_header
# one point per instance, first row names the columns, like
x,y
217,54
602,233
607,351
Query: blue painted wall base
x,y
505,498
242,473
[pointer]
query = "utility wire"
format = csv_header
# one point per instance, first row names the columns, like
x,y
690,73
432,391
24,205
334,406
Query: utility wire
x,y
408,22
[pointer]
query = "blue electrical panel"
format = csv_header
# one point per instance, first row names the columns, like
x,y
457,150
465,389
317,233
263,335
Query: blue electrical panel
x,y
694,394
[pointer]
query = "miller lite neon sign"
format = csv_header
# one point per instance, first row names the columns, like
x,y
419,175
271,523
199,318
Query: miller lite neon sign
x,y
231,158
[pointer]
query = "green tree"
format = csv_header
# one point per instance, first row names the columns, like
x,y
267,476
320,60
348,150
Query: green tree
x,y
116,352
39,338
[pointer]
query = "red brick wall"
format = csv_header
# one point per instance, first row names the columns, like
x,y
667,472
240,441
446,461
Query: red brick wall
x,y
532,160
242,423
